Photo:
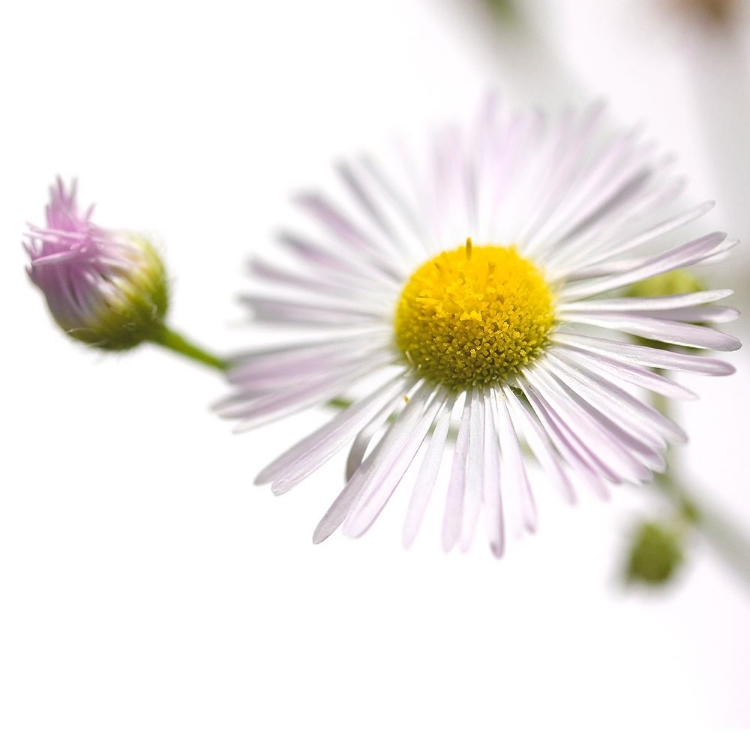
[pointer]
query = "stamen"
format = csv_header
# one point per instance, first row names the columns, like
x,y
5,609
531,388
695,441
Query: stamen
x,y
474,316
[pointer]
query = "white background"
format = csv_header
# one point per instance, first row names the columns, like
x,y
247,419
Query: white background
x,y
150,595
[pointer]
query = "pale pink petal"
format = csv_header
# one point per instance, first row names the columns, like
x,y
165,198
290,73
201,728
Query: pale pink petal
x,y
645,304
367,193
645,326
567,443
306,456
281,311
493,501
573,255
428,472
597,402
328,261
364,438
612,452
454,502
641,412
515,480
685,255
356,296
629,373
474,492
644,355
254,411
400,447
538,441
347,232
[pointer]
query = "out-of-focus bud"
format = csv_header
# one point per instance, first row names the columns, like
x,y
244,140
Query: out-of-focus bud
x,y
655,555
664,285
718,12
105,288
674,282
505,11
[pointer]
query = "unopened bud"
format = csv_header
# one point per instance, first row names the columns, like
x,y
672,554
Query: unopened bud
x,y
655,555
105,288
678,281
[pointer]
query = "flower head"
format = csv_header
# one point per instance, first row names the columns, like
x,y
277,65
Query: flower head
x,y
488,288
104,288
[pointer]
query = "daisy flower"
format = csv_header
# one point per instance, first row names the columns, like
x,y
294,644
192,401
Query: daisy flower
x,y
481,288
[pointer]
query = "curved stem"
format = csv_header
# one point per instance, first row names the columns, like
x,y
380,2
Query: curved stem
x,y
727,540
730,542
170,339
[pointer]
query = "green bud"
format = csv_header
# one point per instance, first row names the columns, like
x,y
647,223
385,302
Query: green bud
x,y
134,305
655,555
673,282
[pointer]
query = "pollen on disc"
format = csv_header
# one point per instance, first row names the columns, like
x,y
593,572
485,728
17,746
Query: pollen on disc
x,y
474,316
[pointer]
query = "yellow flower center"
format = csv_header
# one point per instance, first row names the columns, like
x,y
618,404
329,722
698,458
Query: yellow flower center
x,y
474,316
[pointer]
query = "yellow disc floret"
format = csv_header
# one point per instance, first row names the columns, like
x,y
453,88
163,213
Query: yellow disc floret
x,y
474,316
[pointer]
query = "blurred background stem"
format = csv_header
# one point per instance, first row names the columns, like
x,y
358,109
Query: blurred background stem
x,y
726,538
730,542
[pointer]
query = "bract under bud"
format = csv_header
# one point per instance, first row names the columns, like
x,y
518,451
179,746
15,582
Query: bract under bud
x,y
104,288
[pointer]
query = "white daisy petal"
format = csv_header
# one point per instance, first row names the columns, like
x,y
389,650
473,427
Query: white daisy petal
x,y
597,253
503,171
493,501
474,494
262,362
301,369
588,372
364,438
338,512
590,201
395,203
339,225
565,163
680,257
598,402
633,374
702,314
648,327
610,399
352,178
565,441
340,287
596,241
645,304
613,456
478,271
274,405
428,472
516,481
454,504
538,442
313,451
399,449
645,355
334,264
309,314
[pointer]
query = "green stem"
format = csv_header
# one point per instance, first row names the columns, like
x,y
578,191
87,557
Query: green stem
x,y
170,339
729,541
